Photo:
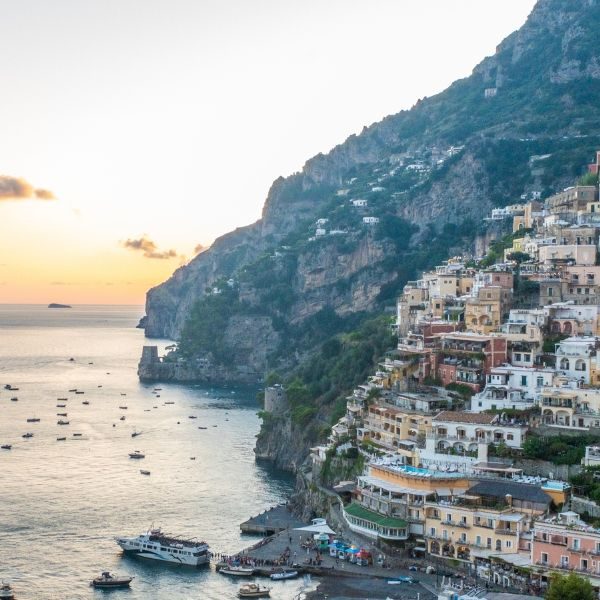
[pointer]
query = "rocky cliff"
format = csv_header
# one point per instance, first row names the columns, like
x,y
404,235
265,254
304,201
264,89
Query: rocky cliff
x,y
337,241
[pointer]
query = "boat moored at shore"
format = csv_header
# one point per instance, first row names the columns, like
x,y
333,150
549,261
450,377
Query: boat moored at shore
x,y
156,545
6,592
253,590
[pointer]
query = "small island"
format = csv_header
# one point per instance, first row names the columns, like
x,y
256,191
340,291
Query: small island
x,y
56,305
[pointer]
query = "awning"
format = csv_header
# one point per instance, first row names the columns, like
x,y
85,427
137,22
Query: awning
x,y
316,529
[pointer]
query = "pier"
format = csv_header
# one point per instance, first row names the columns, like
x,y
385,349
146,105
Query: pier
x,y
271,521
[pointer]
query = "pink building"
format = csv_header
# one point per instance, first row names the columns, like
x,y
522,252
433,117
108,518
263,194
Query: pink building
x,y
565,542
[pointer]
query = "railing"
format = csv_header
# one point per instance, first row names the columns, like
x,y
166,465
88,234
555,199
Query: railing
x,y
505,531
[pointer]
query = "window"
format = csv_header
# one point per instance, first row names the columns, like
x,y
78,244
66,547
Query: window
x,y
510,436
575,543
544,557
550,291
508,544
518,356
478,540
524,380
432,531
540,381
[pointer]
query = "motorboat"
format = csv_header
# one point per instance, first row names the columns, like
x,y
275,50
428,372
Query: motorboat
x,y
122,418
60,405
156,545
15,399
108,581
192,417
123,407
61,414
79,392
77,434
136,433
33,420
283,574
137,454
6,592
169,402
85,402
253,590
61,399
62,422
61,439
237,571
6,446
202,427
144,472
27,435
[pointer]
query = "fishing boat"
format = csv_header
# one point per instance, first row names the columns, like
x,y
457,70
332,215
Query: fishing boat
x,y
144,472
237,571
283,574
61,439
62,422
108,581
15,399
6,592
156,545
27,435
6,446
253,590
33,420
137,454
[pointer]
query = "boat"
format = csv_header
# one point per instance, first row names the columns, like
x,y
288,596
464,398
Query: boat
x,y
8,386
106,580
6,446
60,405
137,454
136,433
15,399
158,389
279,575
61,414
123,407
202,427
6,592
27,435
33,420
77,434
169,402
79,392
122,418
156,545
61,399
237,571
192,417
61,439
85,402
253,590
62,422
144,472
73,390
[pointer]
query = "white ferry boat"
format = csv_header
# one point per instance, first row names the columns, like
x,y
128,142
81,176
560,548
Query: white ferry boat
x,y
157,545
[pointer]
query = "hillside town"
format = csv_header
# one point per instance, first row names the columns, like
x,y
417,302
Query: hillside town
x,y
493,352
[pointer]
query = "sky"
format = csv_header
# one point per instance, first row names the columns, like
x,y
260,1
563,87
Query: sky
x,y
135,132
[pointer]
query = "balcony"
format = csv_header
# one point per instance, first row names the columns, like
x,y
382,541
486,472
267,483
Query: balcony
x,y
505,531
456,524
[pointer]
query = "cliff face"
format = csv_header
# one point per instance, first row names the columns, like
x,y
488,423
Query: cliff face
x,y
449,159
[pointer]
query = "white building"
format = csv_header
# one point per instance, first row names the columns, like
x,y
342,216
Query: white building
x,y
462,431
370,220
513,387
574,357
359,202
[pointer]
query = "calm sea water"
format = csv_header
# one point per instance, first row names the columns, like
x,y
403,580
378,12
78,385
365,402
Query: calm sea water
x,y
62,503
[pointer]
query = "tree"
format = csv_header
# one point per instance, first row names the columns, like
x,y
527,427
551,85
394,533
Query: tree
x,y
570,587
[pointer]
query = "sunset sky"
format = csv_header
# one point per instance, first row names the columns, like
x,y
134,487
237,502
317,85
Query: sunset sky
x,y
133,131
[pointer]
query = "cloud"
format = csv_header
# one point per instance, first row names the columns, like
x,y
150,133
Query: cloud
x,y
149,248
15,188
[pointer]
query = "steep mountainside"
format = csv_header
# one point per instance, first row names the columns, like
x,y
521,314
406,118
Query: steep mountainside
x,y
523,122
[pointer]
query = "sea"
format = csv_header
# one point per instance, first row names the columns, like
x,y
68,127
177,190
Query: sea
x,y
62,503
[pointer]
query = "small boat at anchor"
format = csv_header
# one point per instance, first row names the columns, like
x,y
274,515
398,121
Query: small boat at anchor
x,y
237,571
122,418
137,454
253,590
61,414
85,402
108,581
6,446
62,422
123,407
6,592
15,399
61,439
60,405
33,420
27,435
144,472
136,433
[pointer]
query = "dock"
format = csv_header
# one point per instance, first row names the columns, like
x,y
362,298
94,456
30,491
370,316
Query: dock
x,y
271,521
